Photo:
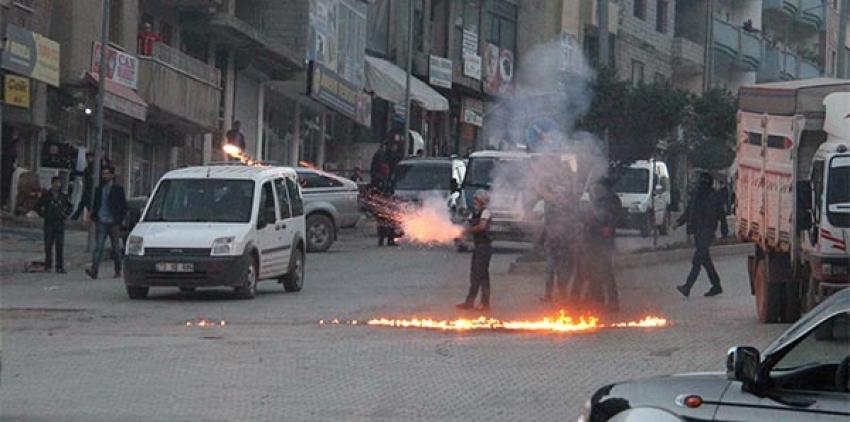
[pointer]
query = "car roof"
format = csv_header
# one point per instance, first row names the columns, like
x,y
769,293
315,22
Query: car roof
x,y
500,154
838,303
235,171
428,160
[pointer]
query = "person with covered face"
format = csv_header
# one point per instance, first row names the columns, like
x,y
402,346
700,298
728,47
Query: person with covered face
x,y
596,267
479,272
704,210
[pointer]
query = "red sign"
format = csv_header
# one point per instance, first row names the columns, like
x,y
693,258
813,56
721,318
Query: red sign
x,y
121,67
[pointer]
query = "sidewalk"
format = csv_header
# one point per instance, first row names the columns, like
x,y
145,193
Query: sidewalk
x,y
21,244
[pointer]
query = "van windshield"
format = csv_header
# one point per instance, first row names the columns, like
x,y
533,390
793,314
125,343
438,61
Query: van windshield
x,y
431,176
633,180
480,172
202,200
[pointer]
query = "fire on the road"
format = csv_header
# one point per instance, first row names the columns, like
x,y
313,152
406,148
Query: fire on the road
x,y
563,323
205,323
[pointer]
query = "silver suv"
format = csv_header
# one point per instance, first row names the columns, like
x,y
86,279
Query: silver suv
x,y
330,203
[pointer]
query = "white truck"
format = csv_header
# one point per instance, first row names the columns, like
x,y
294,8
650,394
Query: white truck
x,y
793,192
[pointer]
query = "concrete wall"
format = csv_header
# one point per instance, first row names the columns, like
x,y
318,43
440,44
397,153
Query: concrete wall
x,y
638,40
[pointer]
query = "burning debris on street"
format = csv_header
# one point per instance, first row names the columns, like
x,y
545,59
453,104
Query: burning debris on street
x,y
206,323
562,323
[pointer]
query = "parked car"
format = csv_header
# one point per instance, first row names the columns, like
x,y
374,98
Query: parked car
x,y
223,225
419,178
330,203
644,190
803,375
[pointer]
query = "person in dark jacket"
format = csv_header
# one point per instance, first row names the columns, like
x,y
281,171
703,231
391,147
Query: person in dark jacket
x,y
479,272
379,160
596,269
705,209
54,207
110,208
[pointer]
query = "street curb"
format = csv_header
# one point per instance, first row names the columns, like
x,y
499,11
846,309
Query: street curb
x,y
642,259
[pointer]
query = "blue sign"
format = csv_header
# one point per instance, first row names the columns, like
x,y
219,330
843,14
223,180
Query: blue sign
x,y
540,133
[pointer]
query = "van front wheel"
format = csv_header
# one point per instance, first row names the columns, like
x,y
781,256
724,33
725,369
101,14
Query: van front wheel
x,y
293,281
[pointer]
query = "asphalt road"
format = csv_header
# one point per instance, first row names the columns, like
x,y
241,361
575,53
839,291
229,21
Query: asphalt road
x,y
79,350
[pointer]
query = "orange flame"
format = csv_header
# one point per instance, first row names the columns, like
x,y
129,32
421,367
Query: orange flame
x,y
237,153
204,323
560,324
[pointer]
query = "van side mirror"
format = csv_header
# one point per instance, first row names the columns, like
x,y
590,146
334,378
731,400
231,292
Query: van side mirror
x,y
742,364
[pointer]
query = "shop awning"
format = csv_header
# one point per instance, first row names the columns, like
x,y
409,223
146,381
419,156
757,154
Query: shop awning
x,y
122,99
387,81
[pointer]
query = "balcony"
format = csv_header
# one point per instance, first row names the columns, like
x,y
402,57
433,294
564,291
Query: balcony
x,y
808,70
254,43
180,89
739,47
193,4
809,13
688,56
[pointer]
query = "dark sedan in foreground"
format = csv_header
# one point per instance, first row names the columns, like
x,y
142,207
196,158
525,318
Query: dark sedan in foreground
x,y
803,375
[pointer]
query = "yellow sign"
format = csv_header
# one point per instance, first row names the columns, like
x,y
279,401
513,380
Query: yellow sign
x,y
17,91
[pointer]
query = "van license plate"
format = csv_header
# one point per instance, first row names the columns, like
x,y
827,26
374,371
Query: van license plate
x,y
174,267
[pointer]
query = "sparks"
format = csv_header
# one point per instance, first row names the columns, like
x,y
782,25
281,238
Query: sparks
x,y
563,323
205,323
235,152
426,224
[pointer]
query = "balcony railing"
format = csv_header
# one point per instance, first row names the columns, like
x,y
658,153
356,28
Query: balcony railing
x,y
808,70
183,62
787,6
807,12
783,65
740,47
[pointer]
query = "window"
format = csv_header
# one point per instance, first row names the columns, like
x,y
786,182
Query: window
x,y
837,194
267,207
819,352
295,198
502,19
661,17
637,72
115,20
640,9
282,198
378,26
418,26
310,180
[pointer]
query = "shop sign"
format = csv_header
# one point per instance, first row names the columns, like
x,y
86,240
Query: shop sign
x,y
470,41
32,55
332,90
498,70
472,65
440,72
17,91
121,67
473,112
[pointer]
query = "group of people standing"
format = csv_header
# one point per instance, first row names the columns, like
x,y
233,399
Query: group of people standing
x,y
107,206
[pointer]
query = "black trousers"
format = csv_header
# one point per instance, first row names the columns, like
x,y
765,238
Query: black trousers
x,y
54,236
479,273
702,258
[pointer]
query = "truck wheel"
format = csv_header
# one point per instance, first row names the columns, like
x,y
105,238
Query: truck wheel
x,y
137,292
249,290
293,281
768,295
320,233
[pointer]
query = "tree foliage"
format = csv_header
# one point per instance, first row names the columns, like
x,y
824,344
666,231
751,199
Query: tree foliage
x,y
709,139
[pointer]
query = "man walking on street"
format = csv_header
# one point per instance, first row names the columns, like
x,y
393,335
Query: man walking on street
x,y
704,210
479,273
54,207
110,207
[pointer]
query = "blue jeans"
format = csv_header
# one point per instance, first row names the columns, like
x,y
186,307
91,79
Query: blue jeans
x,y
101,231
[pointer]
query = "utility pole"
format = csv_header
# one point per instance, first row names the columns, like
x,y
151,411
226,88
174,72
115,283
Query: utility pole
x,y
841,66
602,30
708,59
407,79
101,89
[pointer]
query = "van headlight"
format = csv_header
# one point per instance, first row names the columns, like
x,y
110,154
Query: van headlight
x,y
135,245
222,246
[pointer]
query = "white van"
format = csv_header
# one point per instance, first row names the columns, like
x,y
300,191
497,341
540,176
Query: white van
x,y
221,225
644,190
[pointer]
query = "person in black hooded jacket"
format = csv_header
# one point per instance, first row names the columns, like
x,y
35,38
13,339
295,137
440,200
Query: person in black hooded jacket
x,y
705,209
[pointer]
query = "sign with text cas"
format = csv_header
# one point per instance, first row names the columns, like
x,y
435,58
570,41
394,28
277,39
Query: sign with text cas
x,y
121,67
440,73
33,55
16,91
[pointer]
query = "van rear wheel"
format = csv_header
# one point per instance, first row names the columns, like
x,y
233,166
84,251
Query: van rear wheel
x,y
293,281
